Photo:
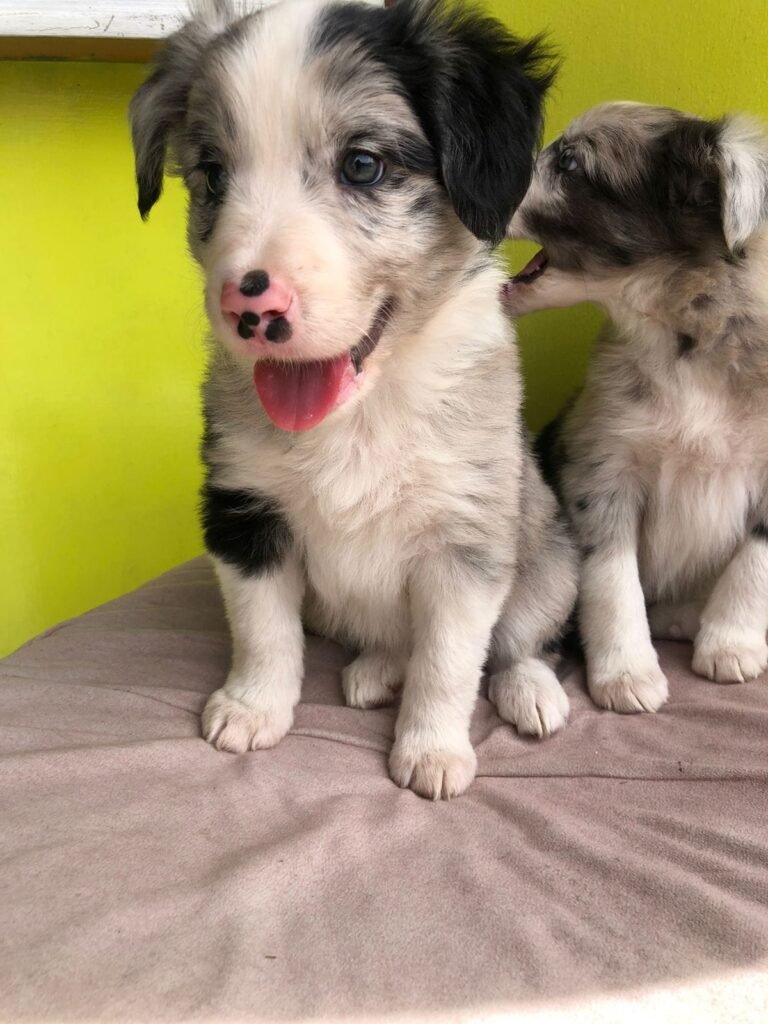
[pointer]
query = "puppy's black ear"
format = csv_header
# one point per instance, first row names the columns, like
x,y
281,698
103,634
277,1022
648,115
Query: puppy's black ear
x,y
693,174
482,112
159,105
719,173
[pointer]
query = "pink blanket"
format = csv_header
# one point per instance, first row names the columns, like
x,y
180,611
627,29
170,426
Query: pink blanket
x,y
618,868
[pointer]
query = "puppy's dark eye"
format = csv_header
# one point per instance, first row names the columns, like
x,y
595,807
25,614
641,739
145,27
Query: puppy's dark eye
x,y
361,168
566,161
215,180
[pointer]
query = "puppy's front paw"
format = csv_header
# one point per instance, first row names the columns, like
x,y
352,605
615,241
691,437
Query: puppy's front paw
x,y
529,695
629,690
728,657
434,774
372,680
233,724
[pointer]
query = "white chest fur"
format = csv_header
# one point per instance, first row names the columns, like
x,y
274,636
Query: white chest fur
x,y
415,467
702,456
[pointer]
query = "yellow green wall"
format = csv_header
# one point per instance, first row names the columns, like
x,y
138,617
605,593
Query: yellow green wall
x,y
100,353
101,320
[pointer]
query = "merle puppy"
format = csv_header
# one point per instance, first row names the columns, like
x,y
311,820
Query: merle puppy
x,y
349,171
660,218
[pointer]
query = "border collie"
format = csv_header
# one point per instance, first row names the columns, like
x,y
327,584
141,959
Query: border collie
x,y
350,170
662,461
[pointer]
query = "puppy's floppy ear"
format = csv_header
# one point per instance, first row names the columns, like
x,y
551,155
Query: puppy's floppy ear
x,y
744,179
719,170
482,110
159,105
692,173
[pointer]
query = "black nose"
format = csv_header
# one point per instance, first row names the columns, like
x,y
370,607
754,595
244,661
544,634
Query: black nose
x,y
255,282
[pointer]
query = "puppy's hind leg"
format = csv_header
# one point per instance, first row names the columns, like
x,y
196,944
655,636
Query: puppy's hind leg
x,y
730,646
523,687
373,679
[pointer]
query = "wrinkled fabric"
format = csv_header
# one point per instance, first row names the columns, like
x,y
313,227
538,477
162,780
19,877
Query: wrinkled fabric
x,y
618,868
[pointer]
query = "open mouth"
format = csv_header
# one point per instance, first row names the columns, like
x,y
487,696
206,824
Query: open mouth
x,y
298,395
533,269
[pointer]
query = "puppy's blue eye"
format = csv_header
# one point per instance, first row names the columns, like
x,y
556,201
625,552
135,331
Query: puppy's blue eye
x,y
361,168
215,180
566,161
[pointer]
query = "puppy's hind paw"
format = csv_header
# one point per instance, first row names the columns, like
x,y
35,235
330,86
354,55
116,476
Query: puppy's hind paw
x,y
529,695
372,680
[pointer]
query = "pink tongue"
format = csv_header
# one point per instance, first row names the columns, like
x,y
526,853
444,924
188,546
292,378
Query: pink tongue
x,y
297,396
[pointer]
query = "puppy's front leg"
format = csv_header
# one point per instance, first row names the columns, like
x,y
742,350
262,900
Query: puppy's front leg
x,y
623,671
730,646
262,582
454,606
254,708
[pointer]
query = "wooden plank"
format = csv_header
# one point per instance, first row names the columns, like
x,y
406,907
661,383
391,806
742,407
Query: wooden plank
x,y
116,19
95,20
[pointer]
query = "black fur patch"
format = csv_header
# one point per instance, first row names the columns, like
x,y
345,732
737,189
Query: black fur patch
x,y
702,301
244,529
476,90
760,531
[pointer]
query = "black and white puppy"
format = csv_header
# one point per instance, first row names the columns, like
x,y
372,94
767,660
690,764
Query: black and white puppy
x,y
660,218
349,170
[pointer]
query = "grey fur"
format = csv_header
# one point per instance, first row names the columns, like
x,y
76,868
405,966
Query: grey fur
x,y
663,459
